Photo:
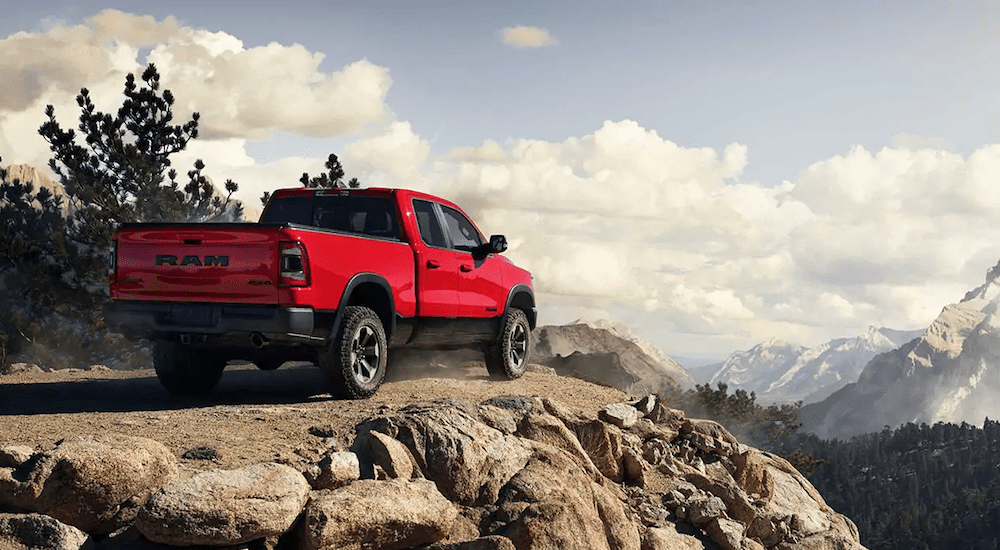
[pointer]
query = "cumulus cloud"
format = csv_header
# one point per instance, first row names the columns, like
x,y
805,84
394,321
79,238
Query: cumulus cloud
x,y
242,93
527,37
674,240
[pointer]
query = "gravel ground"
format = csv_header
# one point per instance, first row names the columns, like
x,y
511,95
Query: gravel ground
x,y
252,416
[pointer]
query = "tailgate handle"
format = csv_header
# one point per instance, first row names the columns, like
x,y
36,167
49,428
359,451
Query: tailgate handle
x,y
192,241
433,264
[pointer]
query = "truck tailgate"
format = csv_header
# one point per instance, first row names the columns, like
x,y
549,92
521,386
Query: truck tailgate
x,y
198,263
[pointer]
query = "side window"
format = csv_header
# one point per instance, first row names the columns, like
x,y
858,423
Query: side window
x,y
464,235
372,216
427,223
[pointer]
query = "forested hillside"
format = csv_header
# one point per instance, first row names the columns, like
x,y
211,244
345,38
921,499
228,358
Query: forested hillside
x,y
916,487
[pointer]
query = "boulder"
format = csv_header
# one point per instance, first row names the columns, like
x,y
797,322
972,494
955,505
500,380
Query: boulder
x,y
390,455
468,460
623,415
38,532
222,507
389,515
603,443
335,470
94,483
553,503
669,538
544,428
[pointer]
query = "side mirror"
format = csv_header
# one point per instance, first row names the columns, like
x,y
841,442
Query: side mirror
x,y
498,243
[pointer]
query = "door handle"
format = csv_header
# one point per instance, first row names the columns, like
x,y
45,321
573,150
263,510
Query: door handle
x,y
433,264
466,268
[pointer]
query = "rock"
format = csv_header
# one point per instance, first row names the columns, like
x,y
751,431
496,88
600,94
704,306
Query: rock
x,y
492,542
623,415
545,428
783,494
600,368
503,420
335,470
94,483
202,452
603,444
220,507
666,416
389,515
728,534
468,460
391,455
668,538
703,510
647,404
709,436
15,455
38,532
553,503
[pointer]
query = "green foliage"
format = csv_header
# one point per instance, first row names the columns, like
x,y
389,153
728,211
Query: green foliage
x,y
114,169
917,486
740,413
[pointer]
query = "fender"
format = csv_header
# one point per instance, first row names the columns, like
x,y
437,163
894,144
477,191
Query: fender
x,y
529,309
356,281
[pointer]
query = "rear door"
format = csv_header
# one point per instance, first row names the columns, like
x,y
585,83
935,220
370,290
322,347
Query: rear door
x,y
437,265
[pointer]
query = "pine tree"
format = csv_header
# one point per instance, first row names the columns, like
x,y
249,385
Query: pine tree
x,y
332,178
115,170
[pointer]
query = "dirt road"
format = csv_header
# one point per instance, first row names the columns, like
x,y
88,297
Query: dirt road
x,y
253,416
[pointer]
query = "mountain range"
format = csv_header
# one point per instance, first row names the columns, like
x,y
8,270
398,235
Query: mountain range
x,y
780,372
950,373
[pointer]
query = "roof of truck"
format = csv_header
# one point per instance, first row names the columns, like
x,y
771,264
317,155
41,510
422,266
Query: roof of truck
x,y
360,192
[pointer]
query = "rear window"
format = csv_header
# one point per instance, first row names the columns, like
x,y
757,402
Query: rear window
x,y
371,216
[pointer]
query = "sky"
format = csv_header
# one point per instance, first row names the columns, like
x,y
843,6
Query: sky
x,y
711,174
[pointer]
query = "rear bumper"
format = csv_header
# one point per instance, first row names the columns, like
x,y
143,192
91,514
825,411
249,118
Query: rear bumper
x,y
140,319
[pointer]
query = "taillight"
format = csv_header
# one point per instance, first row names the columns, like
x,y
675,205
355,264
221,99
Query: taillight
x,y
294,264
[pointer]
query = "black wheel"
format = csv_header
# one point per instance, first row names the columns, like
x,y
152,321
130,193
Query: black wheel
x,y
354,361
508,358
183,371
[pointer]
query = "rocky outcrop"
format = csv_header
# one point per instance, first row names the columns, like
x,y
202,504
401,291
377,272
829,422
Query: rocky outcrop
x,y
225,507
511,472
95,483
610,356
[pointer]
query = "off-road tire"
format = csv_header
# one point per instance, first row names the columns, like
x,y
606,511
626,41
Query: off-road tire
x,y
507,359
183,371
354,361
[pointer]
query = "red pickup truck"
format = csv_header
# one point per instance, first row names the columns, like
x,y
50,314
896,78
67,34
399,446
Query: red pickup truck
x,y
331,276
